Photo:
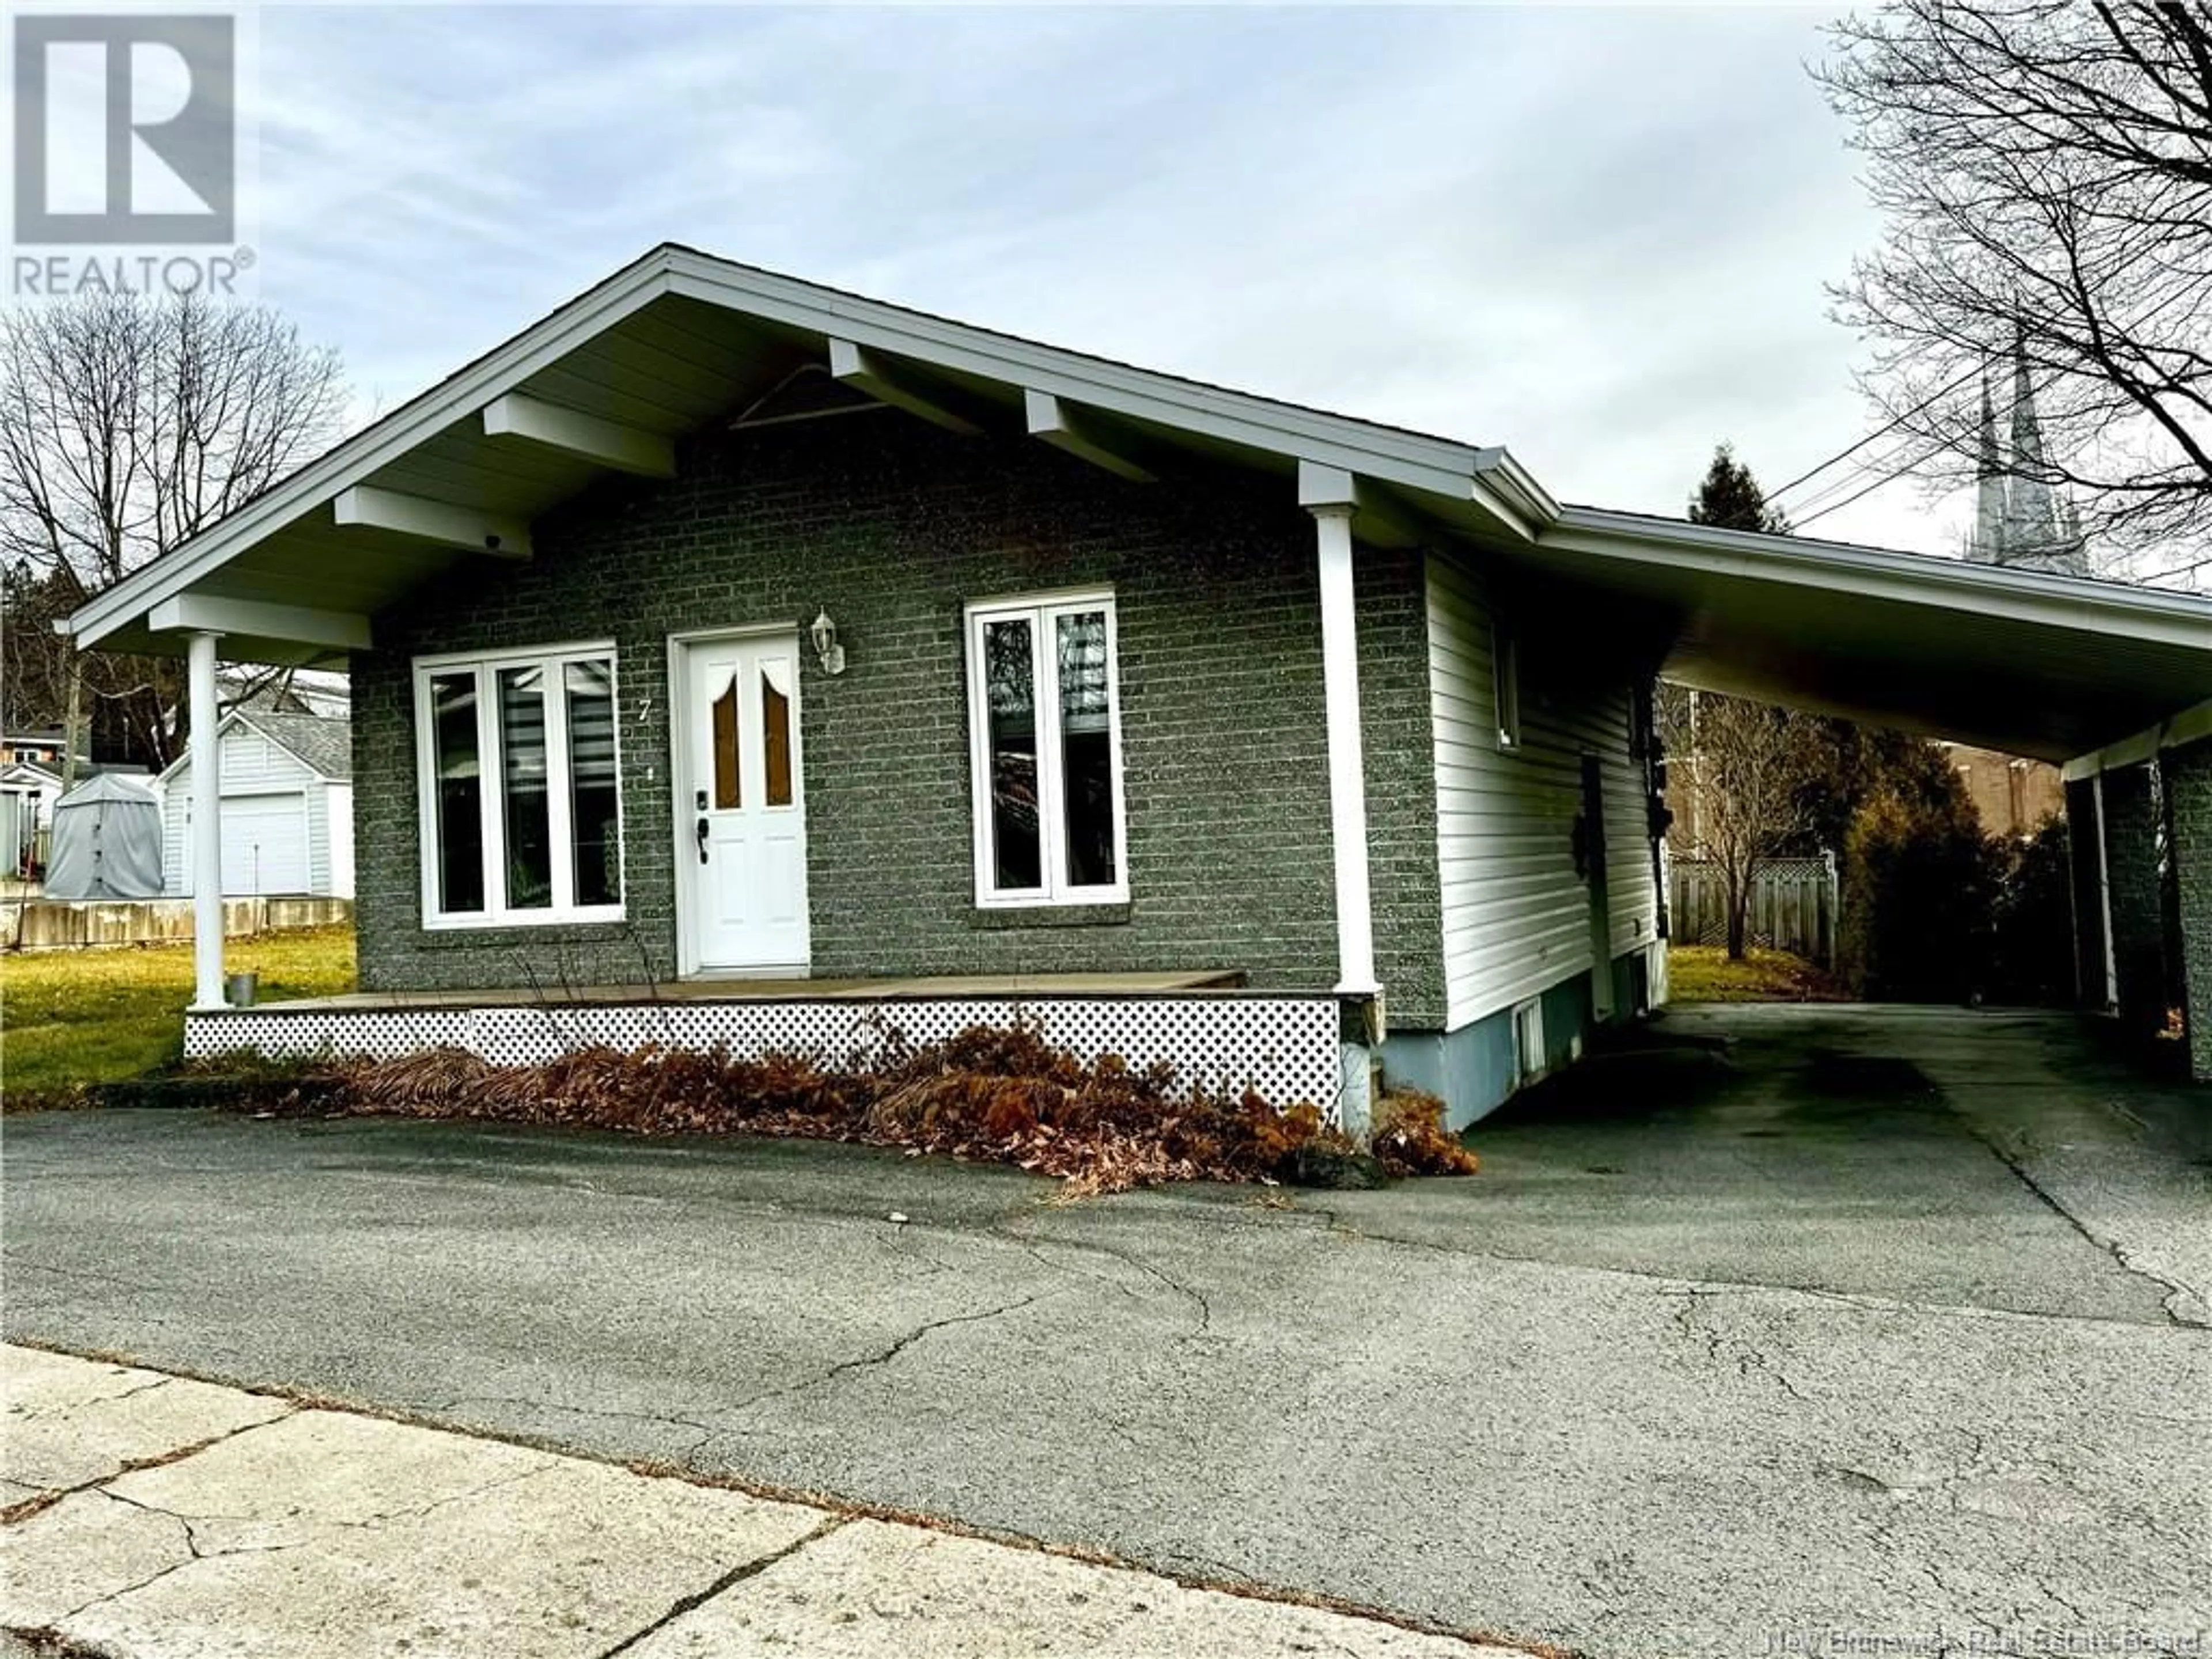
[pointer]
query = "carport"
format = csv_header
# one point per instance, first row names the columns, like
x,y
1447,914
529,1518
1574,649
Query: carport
x,y
2112,683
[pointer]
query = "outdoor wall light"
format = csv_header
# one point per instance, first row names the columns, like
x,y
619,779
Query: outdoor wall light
x,y
824,633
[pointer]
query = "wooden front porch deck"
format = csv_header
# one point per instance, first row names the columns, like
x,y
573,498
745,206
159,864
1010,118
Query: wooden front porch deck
x,y
928,987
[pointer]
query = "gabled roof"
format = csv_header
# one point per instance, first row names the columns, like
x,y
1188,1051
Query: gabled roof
x,y
665,344
2047,666
324,746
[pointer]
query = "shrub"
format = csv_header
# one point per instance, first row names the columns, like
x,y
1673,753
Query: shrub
x,y
1003,1094
1919,882
2033,926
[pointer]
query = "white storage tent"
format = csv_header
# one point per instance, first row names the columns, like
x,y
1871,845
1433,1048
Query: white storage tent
x,y
107,842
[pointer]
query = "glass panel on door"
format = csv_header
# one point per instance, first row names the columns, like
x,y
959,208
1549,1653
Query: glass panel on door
x,y
775,738
729,792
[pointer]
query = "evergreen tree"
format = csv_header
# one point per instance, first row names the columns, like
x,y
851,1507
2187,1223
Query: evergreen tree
x,y
1730,498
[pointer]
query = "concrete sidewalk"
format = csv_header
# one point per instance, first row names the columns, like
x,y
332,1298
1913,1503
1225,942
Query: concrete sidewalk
x,y
146,1514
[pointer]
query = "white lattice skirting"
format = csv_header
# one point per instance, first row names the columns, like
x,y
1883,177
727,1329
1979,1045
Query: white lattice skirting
x,y
1284,1048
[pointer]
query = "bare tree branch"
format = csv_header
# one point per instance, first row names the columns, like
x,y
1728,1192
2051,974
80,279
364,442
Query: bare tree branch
x,y
2045,172
127,426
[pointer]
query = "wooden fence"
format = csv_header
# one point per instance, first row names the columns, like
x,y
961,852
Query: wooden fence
x,y
1793,906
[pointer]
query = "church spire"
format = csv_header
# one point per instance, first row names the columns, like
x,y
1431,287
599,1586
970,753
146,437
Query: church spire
x,y
2032,522
2019,520
1986,545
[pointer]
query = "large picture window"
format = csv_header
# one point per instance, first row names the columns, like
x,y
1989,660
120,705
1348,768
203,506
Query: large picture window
x,y
1044,710
521,801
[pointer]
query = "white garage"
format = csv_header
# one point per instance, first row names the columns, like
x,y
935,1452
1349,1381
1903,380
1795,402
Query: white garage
x,y
287,807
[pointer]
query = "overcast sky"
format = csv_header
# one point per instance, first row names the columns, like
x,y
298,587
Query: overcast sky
x,y
1596,236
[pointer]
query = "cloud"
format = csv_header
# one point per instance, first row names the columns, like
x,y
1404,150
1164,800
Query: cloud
x,y
1596,236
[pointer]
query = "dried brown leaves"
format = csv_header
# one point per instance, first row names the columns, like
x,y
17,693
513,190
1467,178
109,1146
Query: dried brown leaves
x,y
1001,1094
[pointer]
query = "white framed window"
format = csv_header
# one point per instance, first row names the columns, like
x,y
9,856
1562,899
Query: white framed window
x,y
1505,671
519,777
1044,719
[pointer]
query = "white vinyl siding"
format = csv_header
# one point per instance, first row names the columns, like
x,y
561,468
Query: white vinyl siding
x,y
1517,917
275,824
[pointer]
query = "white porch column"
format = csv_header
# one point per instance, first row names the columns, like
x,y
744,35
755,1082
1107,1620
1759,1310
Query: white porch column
x,y
2111,997
205,850
1347,773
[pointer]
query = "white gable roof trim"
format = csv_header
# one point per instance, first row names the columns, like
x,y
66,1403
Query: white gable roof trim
x,y
1488,479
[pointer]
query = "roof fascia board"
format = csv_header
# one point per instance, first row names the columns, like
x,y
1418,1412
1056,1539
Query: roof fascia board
x,y
1505,476
463,394
2146,614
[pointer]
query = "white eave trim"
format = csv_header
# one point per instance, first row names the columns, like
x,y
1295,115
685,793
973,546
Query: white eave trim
x,y
2070,602
1488,480
463,393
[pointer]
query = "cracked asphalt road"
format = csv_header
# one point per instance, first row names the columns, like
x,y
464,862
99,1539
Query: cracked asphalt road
x,y
1877,1322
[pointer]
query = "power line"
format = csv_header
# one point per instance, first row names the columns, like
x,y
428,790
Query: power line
x,y
1819,499
1838,507
1942,392
1893,472
1925,404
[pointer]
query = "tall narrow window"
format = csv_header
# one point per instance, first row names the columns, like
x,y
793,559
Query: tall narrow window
x,y
1086,750
1009,710
524,800
521,790
1043,702
456,793
594,821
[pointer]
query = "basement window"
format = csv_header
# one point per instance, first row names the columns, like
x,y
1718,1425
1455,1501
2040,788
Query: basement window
x,y
1528,1055
519,791
1045,751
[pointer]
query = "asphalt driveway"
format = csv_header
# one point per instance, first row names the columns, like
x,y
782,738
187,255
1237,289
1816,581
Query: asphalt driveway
x,y
1808,1323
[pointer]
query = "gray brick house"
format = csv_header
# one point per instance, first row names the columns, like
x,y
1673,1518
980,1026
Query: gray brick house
x,y
735,660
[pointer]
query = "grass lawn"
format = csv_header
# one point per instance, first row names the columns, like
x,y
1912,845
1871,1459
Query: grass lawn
x,y
70,1017
1703,973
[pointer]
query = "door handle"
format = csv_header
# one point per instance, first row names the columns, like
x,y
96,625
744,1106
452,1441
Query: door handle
x,y
701,833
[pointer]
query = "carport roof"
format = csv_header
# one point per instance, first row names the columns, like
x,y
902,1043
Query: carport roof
x,y
2044,666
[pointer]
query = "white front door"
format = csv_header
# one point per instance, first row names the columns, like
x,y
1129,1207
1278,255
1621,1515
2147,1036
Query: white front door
x,y
741,811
